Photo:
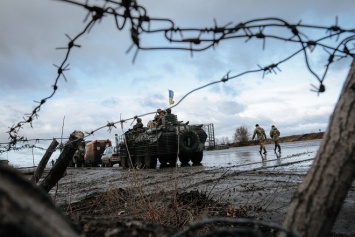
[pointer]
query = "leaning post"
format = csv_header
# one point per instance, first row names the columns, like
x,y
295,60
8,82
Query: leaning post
x,y
58,170
42,164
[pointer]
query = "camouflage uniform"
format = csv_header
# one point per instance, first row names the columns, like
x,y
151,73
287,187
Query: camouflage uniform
x,y
138,125
153,123
169,118
260,132
160,119
275,135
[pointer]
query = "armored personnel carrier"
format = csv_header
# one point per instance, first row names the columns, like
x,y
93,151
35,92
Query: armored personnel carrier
x,y
171,141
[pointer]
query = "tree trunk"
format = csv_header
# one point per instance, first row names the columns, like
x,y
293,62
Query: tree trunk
x,y
58,170
26,210
318,200
42,164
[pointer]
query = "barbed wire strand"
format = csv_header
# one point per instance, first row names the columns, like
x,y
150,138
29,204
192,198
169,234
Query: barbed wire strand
x,y
129,12
230,221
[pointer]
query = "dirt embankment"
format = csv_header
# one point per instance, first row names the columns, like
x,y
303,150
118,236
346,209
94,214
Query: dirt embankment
x,y
292,138
302,137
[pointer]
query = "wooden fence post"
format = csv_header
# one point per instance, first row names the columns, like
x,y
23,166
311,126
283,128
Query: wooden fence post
x,y
57,172
43,163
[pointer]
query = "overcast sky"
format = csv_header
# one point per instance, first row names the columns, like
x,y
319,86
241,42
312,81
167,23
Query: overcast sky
x,y
103,85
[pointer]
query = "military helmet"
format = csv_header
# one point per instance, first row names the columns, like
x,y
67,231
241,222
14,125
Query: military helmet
x,y
139,120
158,110
273,126
168,110
256,125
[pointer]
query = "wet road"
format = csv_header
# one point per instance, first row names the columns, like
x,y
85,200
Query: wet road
x,y
226,167
248,158
237,176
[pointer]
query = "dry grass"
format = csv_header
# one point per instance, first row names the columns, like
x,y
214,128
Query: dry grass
x,y
167,208
154,203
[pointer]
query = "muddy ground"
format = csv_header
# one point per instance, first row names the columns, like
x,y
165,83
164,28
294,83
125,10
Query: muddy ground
x,y
101,201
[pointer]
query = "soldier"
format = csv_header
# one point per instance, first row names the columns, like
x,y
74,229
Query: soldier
x,y
150,124
275,135
161,115
168,111
157,116
260,132
156,119
153,123
138,125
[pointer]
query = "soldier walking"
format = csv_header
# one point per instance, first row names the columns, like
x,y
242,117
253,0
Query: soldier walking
x,y
260,132
275,135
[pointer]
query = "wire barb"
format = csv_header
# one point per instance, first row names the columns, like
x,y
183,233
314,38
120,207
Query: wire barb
x,y
200,39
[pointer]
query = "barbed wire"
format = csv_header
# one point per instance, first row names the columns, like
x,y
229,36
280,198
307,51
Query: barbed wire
x,y
128,13
27,146
233,226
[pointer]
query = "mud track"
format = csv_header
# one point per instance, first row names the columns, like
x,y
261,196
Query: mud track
x,y
264,188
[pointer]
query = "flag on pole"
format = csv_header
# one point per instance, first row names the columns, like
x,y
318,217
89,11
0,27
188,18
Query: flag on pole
x,y
171,96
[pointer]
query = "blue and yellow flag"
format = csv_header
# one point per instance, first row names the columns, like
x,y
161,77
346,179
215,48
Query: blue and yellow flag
x,y
171,96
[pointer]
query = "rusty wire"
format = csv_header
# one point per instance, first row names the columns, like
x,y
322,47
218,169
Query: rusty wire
x,y
128,13
231,227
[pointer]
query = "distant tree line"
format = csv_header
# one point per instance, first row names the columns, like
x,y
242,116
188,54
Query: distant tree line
x,y
241,136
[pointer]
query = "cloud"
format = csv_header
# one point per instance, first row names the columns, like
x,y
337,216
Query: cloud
x,y
110,102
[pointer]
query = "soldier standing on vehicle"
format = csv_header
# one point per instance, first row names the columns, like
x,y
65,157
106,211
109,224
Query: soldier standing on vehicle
x,y
275,135
169,118
161,115
153,123
260,132
138,125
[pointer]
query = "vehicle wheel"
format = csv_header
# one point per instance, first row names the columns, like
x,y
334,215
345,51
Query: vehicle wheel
x,y
150,161
162,160
80,164
130,163
184,158
71,163
140,162
197,157
124,162
172,160
189,141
